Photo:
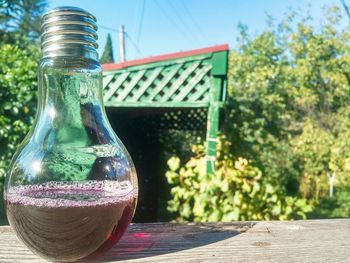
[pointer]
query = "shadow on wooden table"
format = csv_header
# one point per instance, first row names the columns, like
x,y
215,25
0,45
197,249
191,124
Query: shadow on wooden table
x,y
157,239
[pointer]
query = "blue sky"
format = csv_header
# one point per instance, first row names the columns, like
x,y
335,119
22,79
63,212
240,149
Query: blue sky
x,y
166,26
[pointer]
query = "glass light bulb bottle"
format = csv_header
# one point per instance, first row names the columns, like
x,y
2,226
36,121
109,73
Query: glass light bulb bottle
x,y
71,187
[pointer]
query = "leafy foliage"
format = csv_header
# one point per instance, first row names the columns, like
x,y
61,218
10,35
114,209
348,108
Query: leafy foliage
x,y
18,86
236,191
19,31
287,114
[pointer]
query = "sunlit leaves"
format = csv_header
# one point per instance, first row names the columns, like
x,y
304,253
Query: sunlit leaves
x,y
18,87
236,191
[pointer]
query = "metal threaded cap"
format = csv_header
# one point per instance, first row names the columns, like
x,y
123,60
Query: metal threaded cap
x,y
69,31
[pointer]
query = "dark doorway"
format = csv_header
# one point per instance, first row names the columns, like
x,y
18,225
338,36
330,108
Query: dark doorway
x,y
151,136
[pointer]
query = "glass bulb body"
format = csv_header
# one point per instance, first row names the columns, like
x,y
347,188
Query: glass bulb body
x,y
71,188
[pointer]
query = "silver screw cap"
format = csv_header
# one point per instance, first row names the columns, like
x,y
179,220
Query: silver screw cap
x,y
69,31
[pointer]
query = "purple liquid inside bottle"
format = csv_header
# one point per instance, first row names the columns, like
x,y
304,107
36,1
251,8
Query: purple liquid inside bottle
x,y
65,222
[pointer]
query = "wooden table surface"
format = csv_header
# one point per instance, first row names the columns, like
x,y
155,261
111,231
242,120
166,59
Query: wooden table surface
x,y
293,241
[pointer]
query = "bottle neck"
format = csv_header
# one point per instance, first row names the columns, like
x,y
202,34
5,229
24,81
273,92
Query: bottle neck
x,y
70,50
70,98
69,82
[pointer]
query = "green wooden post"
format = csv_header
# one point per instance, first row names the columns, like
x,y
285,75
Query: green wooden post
x,y
218,72
212,132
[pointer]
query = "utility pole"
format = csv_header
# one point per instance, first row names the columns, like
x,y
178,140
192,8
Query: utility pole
x,y
331,178
122,43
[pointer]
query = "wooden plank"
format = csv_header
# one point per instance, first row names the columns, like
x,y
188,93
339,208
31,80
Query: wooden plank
x,y
164,82
177,84
264,242
194,81
114,86
128,88
146,84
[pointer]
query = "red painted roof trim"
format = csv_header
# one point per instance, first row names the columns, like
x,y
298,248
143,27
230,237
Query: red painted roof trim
x,y
126,64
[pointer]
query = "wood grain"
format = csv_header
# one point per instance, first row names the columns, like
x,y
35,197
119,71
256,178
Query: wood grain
x,y
293,241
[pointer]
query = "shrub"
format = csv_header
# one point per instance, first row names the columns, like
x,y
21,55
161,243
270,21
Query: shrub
x,y
236,191
18,86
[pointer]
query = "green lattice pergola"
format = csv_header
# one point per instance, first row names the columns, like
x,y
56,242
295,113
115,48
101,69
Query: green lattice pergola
x,y
192,80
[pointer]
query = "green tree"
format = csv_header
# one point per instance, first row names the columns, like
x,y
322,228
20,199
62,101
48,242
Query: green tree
x,y
29,21
107,56
20,19
287,112
19,55
18,87
290,95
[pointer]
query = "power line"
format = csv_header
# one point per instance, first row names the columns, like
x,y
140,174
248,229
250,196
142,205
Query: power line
x,y
179,16
136,19
133,44
140,22
346,8
136,12
170,19
194,22
108,28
